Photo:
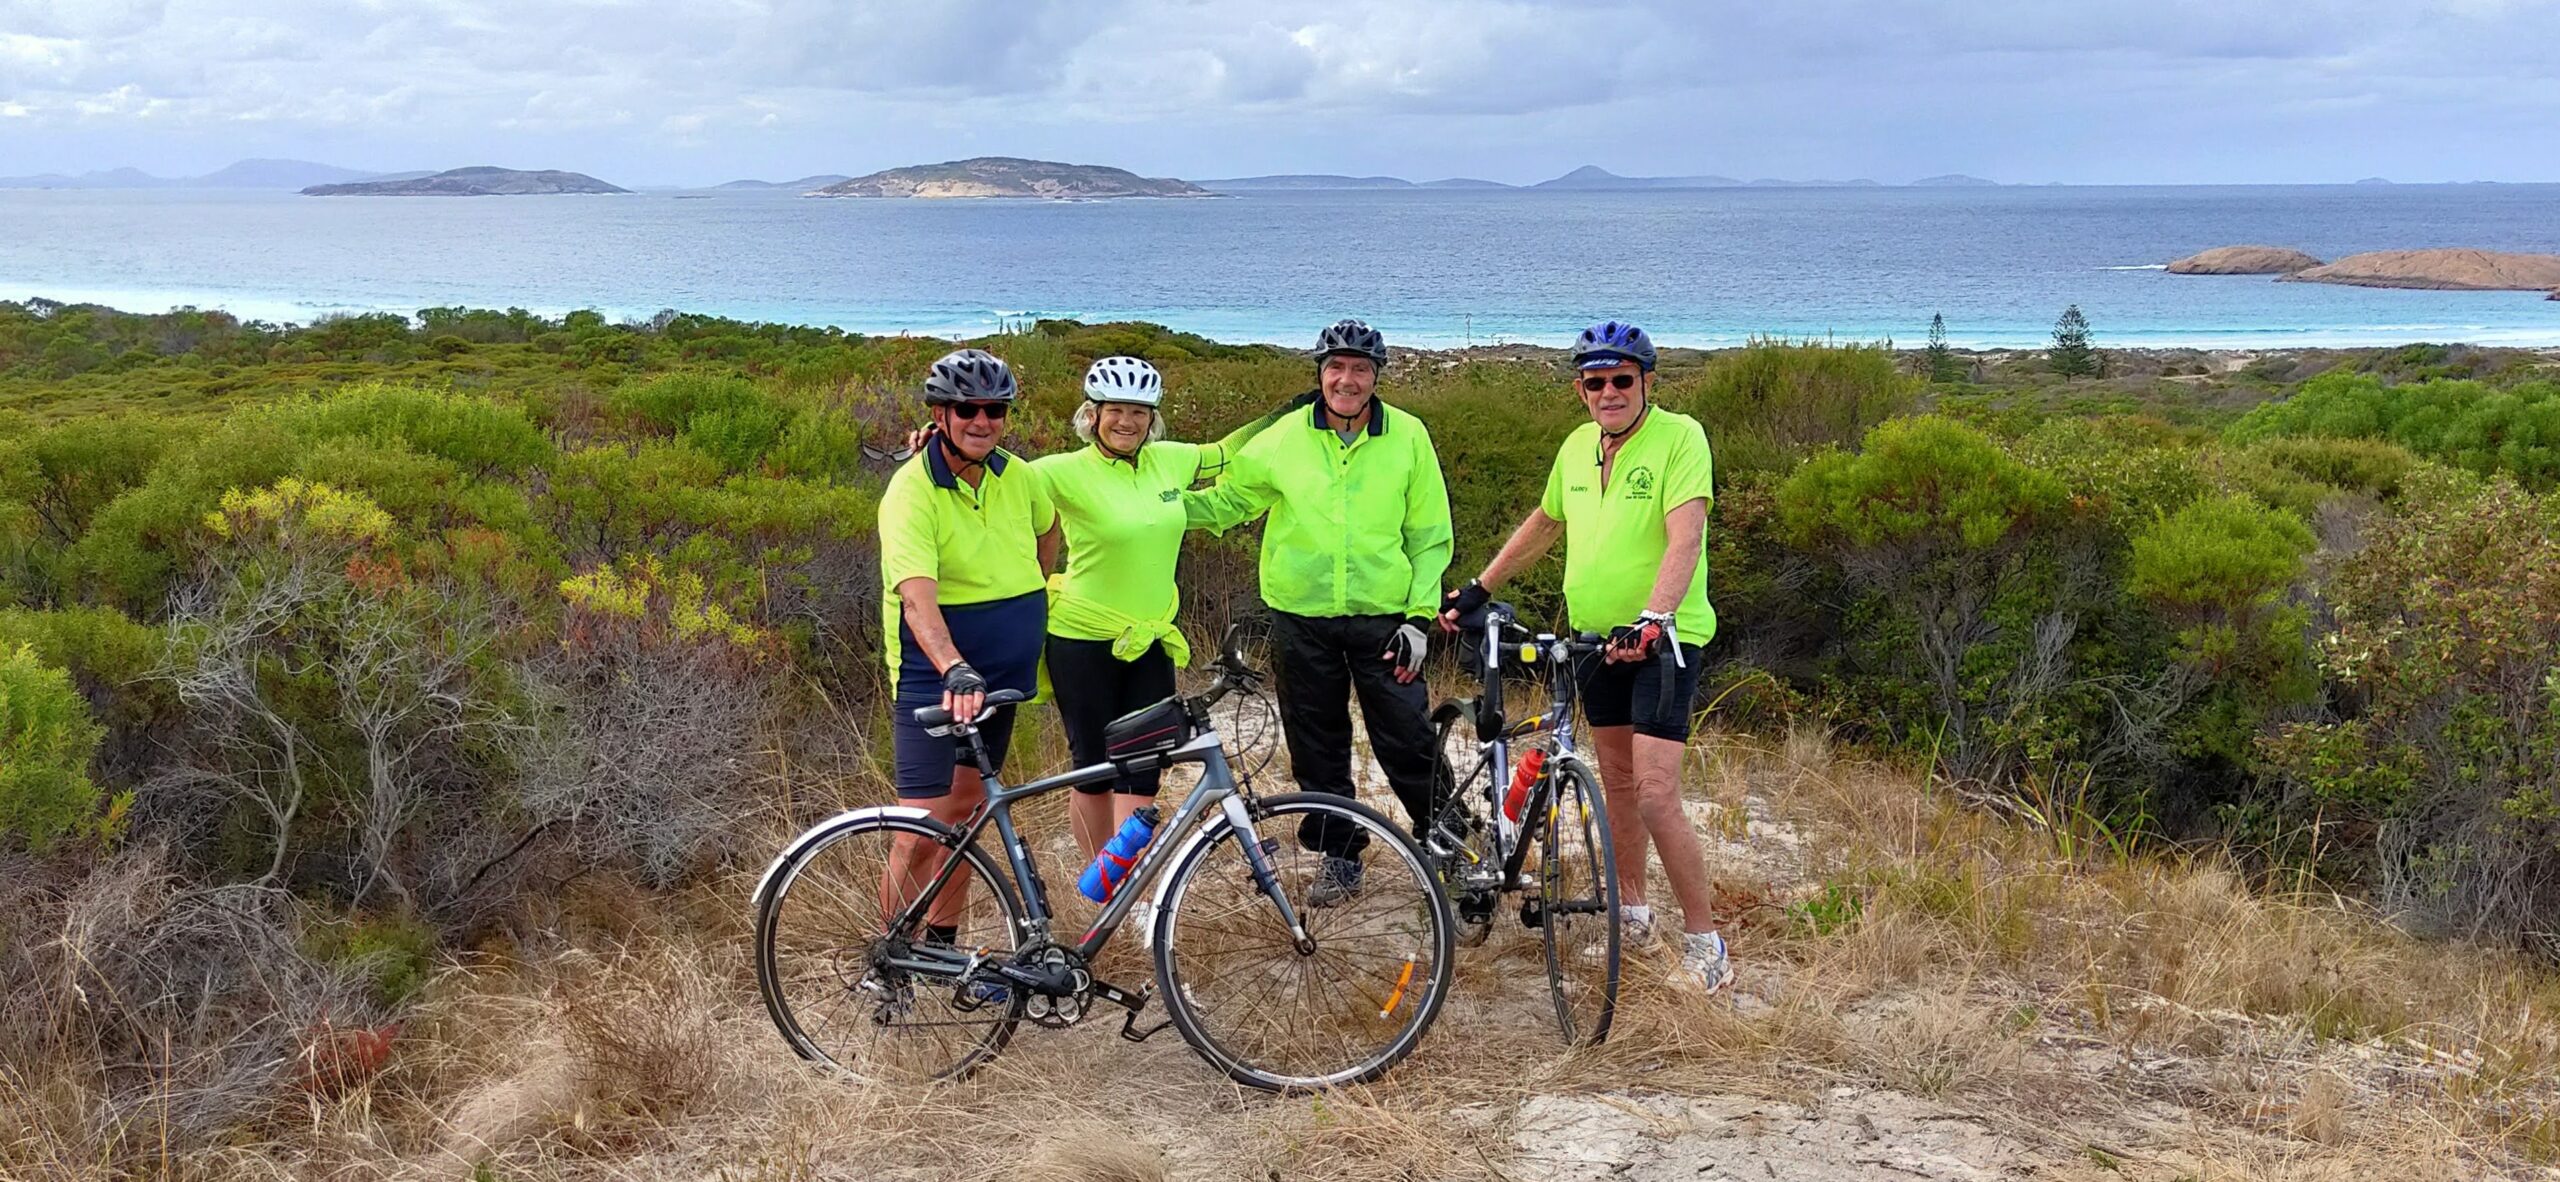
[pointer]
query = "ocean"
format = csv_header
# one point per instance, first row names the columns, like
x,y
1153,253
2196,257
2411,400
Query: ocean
x,y
1429,267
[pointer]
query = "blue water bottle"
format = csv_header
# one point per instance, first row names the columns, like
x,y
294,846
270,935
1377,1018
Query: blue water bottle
x,y
1111,866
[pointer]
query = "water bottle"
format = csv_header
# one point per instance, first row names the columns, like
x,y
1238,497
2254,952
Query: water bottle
x,y
1111,866
1521,778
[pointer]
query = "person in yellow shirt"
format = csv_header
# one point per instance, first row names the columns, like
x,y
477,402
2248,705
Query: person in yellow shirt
x,y
1629,494
1112,645
966,528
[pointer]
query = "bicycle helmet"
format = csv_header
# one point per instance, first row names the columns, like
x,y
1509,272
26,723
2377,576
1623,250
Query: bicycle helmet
x,y
1124,379
1351,338
970,375
1616,342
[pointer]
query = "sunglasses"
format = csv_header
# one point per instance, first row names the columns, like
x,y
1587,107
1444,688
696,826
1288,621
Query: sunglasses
x,y
970,410
1623,381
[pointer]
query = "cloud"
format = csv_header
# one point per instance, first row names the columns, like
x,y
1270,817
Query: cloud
x,y
1814,81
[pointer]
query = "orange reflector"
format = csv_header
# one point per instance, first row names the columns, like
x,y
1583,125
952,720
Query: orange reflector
x,y
1402,980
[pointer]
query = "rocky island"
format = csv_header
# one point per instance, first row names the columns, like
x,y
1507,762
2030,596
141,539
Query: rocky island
x,y
1009,176
2244,260
479,181
2457,269
2441,270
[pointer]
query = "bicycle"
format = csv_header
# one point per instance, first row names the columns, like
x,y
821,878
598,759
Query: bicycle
x,y
1279,994
1560,810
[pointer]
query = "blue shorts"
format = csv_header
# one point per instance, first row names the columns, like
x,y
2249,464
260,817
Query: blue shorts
x,y
1001,640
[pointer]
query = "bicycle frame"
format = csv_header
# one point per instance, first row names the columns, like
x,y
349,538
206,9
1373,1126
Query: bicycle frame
x,y
1216,790
1495,734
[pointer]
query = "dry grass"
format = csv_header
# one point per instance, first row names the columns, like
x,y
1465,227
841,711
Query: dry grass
x,y
2103,1015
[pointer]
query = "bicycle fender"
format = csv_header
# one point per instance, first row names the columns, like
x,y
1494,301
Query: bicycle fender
x,y
799,846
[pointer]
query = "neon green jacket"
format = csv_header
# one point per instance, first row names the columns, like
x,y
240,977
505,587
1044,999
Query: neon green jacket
x,y
1357,529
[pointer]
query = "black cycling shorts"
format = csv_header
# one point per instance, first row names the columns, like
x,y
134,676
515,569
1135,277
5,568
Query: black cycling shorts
x,y
1635,695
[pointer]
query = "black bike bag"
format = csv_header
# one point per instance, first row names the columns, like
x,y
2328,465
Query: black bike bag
x,y
1153,730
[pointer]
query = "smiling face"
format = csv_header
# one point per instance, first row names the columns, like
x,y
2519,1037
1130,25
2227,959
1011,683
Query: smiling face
x,y
1624,389
972,431
1347,382
1122,426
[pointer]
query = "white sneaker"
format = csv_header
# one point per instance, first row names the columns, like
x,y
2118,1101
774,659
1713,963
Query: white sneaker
x,y
1635,927
1704,967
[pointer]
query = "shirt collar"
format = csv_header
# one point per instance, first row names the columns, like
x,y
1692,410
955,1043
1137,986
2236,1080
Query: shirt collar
x,y
939,466
1377,413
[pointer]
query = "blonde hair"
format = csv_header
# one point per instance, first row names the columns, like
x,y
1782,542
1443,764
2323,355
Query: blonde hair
x,y
1090,411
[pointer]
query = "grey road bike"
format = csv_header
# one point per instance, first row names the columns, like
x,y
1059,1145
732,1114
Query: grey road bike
x,y
1570,896
891,945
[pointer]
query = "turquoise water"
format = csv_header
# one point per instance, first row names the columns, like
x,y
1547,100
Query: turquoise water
x,y
1429,267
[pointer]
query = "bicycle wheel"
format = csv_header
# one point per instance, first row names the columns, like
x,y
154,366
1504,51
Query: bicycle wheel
x,y
1284,1019
1578,903
823,948
1463,847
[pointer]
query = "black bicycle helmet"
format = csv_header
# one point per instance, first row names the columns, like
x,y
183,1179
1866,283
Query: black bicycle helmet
x,y
970,375
1603,345
1351,338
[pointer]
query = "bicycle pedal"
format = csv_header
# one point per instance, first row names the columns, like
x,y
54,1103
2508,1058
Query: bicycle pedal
x,y
1129,1028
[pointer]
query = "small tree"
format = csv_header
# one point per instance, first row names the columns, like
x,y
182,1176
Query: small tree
x,y
1941,359
2072,356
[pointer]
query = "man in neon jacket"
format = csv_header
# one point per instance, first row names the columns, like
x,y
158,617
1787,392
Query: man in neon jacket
x,y
1351,563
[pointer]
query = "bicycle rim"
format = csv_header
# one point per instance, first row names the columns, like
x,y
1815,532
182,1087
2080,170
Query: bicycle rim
x,y
1277,1018
1578,901
820,935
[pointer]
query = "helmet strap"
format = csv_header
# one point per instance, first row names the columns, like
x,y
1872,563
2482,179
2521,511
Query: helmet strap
x,y
1129,457
959,464
1614,436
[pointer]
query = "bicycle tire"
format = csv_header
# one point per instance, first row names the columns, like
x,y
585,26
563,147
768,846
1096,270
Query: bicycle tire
x,y
1578,903
834,867
1399,903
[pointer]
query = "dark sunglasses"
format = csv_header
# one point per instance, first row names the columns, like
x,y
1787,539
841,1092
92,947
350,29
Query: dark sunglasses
x,y
1622,381
971,410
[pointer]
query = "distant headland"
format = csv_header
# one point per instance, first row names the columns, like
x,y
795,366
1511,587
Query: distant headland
x,y
1587,177
477,181
1009,176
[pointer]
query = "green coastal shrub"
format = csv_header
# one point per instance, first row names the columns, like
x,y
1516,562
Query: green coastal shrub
x,y
46,741
2443,769
1769,405
2468,424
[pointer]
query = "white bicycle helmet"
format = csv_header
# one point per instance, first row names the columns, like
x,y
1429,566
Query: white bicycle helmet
x,y
1124,379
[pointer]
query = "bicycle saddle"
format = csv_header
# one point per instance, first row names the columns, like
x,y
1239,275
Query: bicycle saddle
x,y
937,716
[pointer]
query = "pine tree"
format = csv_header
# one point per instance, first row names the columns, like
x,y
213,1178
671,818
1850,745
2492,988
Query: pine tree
x,y
1941,359
2071,355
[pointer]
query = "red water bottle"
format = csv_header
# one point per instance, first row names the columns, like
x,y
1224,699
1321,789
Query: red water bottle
x,y
1521,777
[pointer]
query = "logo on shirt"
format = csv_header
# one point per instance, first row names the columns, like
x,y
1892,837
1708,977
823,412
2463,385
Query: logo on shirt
x,y
1170,495
1640,484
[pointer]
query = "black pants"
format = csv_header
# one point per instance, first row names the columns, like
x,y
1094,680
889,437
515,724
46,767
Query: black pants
x,y
1092,688
1321,661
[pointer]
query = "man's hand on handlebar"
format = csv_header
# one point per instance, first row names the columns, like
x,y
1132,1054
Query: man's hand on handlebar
x,y
964,692
1463,602
1630,643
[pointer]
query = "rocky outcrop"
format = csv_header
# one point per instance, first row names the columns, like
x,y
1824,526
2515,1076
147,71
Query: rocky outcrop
x,y
481,181
2441,270
2244,260
1008,176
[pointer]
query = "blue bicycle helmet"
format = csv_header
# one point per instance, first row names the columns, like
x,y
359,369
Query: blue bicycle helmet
x,y
1616,342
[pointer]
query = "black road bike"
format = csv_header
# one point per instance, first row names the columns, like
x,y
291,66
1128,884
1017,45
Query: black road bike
x,y
892,945
1488,827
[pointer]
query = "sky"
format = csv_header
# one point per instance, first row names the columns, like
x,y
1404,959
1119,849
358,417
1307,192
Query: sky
x,y
658,92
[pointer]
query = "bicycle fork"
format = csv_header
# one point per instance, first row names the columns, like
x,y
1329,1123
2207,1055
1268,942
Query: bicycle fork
x,y
1258,861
